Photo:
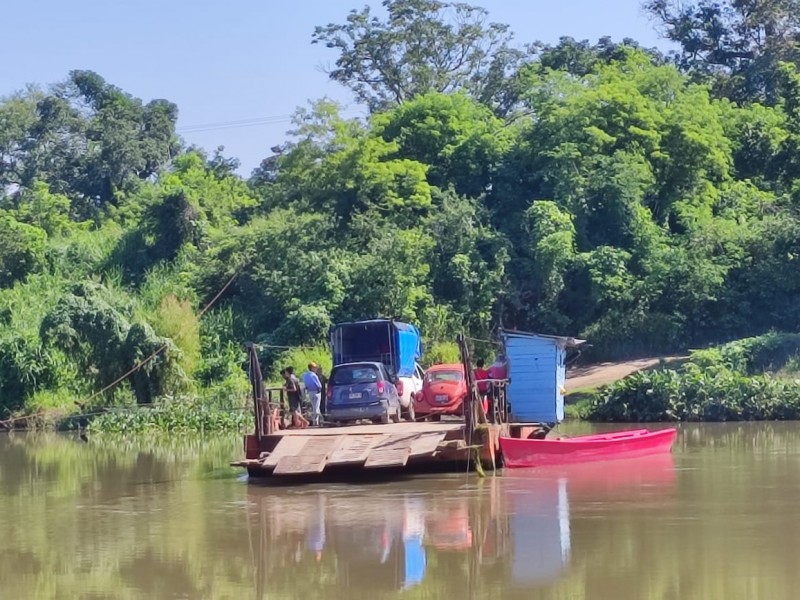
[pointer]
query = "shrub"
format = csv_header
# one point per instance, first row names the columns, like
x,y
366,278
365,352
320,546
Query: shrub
x,y
175,319
696,394
442,353
22,250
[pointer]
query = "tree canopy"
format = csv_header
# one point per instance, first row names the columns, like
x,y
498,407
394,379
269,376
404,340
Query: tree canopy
x,y
422,46
738,43
619,198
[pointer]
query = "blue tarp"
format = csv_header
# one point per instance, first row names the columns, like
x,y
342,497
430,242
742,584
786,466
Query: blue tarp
x,y
415,562
393,342
409,346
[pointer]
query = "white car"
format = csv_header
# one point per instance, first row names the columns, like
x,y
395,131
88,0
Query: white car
x,y
410,386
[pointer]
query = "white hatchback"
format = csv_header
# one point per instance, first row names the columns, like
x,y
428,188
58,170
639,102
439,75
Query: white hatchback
x,y
408,388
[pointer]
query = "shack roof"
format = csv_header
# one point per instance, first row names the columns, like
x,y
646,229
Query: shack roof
x,y
398,324
564,342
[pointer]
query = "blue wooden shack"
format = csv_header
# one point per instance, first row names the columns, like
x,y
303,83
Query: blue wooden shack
x,y
537,373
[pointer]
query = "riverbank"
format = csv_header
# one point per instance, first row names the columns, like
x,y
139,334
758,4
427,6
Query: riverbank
x,y
751,379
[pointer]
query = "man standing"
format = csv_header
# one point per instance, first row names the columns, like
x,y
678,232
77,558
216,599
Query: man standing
x,y
323,392
292,386
313,389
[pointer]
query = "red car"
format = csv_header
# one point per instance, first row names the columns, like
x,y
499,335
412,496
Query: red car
x,y
443,391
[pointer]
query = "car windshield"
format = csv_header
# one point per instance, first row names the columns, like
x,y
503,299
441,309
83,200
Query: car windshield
x,y
442,376
355,374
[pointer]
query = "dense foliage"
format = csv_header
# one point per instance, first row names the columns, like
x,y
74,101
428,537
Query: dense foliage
x,y
591,190
750,379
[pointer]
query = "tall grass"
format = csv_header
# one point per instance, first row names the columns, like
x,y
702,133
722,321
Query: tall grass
x,y
176,319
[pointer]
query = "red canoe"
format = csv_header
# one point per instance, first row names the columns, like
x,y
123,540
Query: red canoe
x,y
521,453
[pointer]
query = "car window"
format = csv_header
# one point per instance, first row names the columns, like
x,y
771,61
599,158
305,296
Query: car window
x,y
420,372
441,376
355,374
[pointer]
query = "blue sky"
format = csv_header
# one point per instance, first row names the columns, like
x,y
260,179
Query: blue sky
x,y
242,59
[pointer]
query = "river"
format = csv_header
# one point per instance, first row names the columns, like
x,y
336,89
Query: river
x,y
719,519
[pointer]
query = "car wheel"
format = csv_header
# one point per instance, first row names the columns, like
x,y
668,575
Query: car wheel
x,y
436,418
410,412
396,416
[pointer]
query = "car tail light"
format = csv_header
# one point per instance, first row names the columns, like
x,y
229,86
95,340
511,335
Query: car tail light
x,y
399,387
381,387
329,393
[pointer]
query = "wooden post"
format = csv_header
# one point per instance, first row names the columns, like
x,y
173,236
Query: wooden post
x,y
469,377
263,426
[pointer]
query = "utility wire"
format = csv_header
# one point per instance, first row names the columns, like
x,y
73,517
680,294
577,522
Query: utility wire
x,y
7,423
250,122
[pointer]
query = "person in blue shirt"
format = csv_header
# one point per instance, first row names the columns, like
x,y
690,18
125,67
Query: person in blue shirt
x,y
314,391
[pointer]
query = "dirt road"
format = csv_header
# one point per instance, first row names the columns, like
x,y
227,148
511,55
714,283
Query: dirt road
x,y
592,376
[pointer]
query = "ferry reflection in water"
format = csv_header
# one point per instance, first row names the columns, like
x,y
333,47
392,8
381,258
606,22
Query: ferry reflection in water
x,y
374,539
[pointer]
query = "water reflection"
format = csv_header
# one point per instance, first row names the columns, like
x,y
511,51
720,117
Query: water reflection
x,y
169,519
377,539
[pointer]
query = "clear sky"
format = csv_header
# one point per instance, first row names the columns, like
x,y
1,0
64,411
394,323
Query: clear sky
x,y
242,60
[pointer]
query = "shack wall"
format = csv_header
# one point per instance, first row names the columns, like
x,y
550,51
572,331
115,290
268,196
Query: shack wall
x,y
537,374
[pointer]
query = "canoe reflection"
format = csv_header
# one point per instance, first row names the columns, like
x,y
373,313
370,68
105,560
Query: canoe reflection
x,y
377,539
538,502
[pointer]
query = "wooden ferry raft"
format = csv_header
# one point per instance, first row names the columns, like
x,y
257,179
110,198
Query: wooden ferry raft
x,y
398,445
473,441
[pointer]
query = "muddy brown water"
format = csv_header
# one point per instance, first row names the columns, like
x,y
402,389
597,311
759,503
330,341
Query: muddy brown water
x,y
720,518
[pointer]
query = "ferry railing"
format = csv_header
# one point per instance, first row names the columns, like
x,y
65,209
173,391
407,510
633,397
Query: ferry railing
x,y
265,400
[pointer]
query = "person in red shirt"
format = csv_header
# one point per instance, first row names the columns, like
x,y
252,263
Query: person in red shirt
x,y
482,379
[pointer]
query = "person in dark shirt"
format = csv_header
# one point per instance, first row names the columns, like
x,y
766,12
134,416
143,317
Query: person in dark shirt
x,y
294,396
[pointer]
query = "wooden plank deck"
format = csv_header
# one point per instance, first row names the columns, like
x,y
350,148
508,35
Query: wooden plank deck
x,y
312,458
287,447
354,449
311,450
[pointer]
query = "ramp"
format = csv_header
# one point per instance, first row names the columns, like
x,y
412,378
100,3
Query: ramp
x,y
311,451
312,457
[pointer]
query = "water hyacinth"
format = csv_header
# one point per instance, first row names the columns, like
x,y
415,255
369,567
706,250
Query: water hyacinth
x,y
178,415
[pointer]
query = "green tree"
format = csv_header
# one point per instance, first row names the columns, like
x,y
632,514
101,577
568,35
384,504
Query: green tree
x,y
422,46
86,139
22,250
738,43
459,140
